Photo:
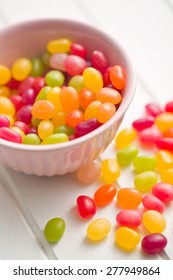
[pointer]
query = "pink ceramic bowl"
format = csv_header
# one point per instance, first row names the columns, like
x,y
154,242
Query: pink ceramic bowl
x,y
29,39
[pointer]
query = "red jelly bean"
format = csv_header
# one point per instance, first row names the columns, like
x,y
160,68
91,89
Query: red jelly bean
x,y
149,136
106,77
13,84
163,191
105,194
153,243
153,109
165,143
99,61
143,123
38,84
79,50
129,218
10,135
25,84
169,107
151,202
23,126
4,121
17,101
74,65
28,96
86,206
24,114
86,126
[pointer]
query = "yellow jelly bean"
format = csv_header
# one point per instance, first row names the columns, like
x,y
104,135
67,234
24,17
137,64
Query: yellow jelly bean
x,y
45,128
54,97
164,160
164,121
127,238
167,176
20,131
59,118
92,110
4,91
5,75
154,221
21,68
59,45
92,79
6,106
98,229
125,137
110,170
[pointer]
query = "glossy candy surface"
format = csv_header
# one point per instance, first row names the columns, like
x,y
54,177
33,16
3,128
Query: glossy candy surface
x,y
129,218
145,181
164,160
92,79
163,191
153,221
98,229
142,123
126,155
105,194
89,173
128,198
153,243
117,76
54,229
86,206
21,69
152,202
144,163
110,170
127,238
125,137
153,109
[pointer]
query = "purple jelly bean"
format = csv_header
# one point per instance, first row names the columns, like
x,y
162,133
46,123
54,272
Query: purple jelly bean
x,y
86,126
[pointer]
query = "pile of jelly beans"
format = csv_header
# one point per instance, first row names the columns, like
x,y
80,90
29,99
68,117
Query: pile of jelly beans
x,y
140,207
61,95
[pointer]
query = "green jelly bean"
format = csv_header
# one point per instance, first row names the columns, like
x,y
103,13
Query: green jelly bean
x,y
144,163
42,95
45,58
64,129
54,229
54,78
55,138
145,181
37,67
126,155
77,82
31,139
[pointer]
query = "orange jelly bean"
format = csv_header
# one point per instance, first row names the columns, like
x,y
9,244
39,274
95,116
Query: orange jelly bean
x,y
43,109
106,111
108,95
117,76
129,198
69,99
105,194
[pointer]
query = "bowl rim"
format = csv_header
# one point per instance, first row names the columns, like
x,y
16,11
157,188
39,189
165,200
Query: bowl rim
x,y
22,25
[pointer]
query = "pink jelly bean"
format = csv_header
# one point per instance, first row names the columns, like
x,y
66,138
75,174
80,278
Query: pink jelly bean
x,y
79,50
38,84
24,114
163,191
86,206
74,65
87,126
10,135
4,121
57,61
151,202
13,84
29,96
169,107
143,123
33,130
23,126
25,84
129,218
165,143
153,243
153,109
99,61
149,136
17,101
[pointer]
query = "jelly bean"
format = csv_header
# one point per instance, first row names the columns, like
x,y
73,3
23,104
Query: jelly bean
x,y
22,126
35,122
37,67
56,138
43,109
42,94
92,79
151,202
153,243
129,198
105,194
4,91
126,155
153,221
39,83
6,106
31,139
125,137
117,76
17,102
54,229
59,118
86,127
26,84
5,75
69,99
145,181
53,96
167,176
168,133
144,163
164,160
163,191
24,114
74,65
21,69
10,118
169,107
108,95
45,128
77,82
89,173
129,218
59,46
153,109
13,84
74,117
64,129
143,123
106,112
127,238
86,96
45,57
106,77
92,110
99,61
149,136
86,206
56,61
18,130
28,96
54,78
33,130
165,143
4,121
110,170
10,135
164,121
79,50
98,229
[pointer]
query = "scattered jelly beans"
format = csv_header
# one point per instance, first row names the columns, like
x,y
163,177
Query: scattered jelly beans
x,y
153,221
127,238
128,198
126,155
86,206
125,137
105,194
145,181
163,191
164,160
154,243
143,163
98,229
129,218
152,202
143,123
89,173
54,229
110,170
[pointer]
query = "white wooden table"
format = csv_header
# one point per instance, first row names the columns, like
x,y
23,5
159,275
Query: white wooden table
x,y
145,29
